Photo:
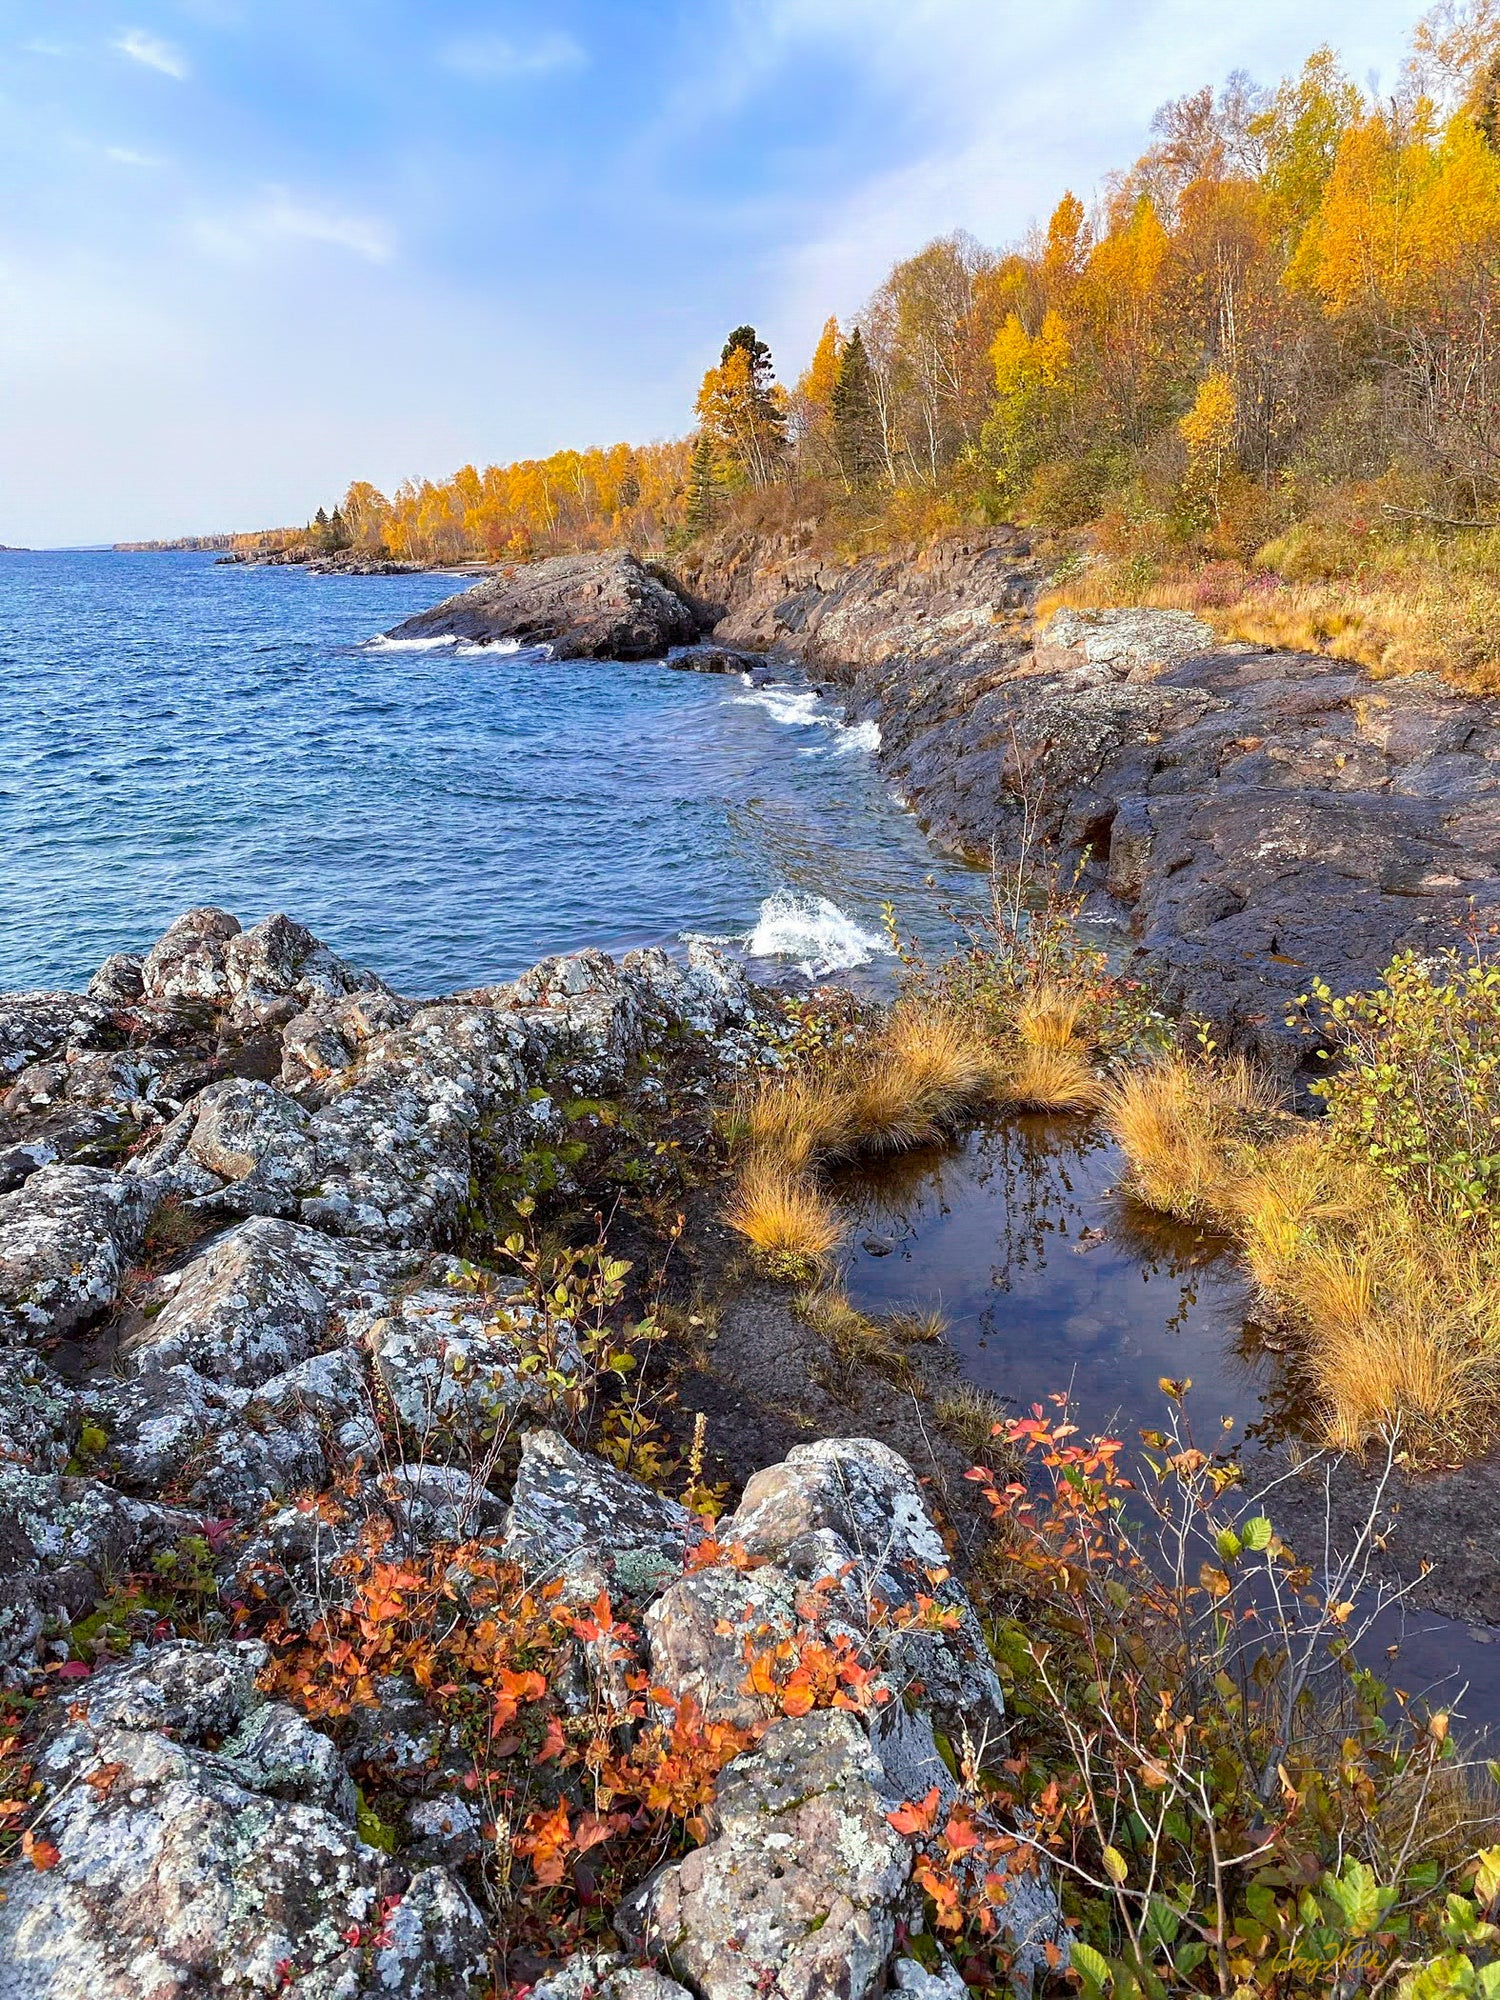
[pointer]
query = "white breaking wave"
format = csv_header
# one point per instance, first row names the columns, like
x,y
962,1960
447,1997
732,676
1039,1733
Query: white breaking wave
x,y
381,644
463,647
799,708
813,931
804,708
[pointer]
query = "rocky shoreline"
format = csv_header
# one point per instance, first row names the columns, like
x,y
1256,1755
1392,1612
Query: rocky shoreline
x,y
1249,819
231,1323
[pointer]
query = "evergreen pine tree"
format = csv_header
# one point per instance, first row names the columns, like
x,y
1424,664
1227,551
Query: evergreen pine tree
x,y
702,486
856,431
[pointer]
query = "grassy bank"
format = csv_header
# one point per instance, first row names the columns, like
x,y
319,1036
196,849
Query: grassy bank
x,y
1370,1232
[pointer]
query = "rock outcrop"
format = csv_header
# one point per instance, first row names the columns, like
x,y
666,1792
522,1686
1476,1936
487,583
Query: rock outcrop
x,y
239,1359
607,607
1253,818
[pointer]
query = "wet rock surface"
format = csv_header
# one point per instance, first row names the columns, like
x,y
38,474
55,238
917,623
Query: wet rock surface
x,y
1250,818
608,606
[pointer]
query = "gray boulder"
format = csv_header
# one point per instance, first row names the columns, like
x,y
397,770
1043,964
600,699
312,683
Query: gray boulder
x,y
181,1877
67,1235
571,1515
245,1309
606,607
798,1892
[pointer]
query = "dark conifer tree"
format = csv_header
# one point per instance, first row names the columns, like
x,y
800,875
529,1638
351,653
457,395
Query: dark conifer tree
x,y
856,429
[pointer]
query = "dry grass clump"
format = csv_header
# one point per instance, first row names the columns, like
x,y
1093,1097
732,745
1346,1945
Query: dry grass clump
x,y
905,1087
972,1418
1053,1080
798,1117
1397,1317
857,1340
784,1215
1050,1067
1177,1124
1418,609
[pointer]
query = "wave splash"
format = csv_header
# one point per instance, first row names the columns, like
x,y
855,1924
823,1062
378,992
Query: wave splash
x,y
443,641
805,708
813,931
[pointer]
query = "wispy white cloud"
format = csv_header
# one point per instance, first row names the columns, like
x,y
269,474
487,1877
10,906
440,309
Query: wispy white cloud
x,y
127,156
151,50
489,57
281,217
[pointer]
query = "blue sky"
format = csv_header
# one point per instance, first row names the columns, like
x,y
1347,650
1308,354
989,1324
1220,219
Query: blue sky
x,y
250,249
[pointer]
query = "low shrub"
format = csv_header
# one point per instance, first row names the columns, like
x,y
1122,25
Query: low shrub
x,y
1228,1803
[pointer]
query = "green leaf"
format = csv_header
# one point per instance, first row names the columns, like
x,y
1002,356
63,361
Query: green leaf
x,y
1114,1865
1256,1533
1092,1968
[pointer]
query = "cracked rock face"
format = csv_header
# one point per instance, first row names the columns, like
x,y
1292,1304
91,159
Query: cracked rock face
x,y
572,1515
66,1236
797,1893
193,1871
606,606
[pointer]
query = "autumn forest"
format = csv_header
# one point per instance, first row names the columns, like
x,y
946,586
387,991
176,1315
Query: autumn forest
x,y
1260,378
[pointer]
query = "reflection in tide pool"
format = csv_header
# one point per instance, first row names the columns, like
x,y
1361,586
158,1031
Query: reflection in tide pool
x,y
1050,1280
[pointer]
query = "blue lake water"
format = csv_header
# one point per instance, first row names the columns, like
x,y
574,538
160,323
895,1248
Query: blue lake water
x,y
173,732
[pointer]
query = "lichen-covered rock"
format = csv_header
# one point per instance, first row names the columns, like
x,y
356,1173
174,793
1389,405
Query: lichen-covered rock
x,y
440,1503
797,1893
120,981
704,1630
1129,643
603,1975
237,1137
282,1756
66,1237
444,1830
61,1539
192,1691
37,1027
451,1363
327,1035
606,606
186,963
39,1413
245,1309
278,967
849,1511
393,1150
177,1879
573,1516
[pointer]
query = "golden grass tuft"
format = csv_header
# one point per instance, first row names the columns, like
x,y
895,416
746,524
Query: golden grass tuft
x,y
796,1118
927,1065
1052,1079
854,1338
1177,1124
784,1215
1049,1019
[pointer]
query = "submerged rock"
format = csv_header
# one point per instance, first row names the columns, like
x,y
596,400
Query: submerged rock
x,y
605,607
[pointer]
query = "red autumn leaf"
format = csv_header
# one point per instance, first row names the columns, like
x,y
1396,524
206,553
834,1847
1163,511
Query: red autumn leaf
x,y
39,1852
914,1819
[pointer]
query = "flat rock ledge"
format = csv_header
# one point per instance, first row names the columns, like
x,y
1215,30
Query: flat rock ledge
x,y
320,1135
606,607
